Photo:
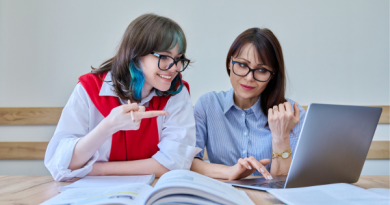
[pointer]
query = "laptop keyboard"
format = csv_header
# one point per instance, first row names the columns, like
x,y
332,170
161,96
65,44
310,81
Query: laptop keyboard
x,y
275,185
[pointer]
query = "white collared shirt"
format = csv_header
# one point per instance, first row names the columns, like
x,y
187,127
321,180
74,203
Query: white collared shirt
x,y
80,116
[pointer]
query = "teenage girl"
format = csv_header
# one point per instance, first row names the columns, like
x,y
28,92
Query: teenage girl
x,y
133,114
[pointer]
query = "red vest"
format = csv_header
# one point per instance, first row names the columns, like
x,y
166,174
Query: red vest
x,y
132,144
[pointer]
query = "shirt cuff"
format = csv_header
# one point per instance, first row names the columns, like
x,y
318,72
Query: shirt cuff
x,y
174,155
61,160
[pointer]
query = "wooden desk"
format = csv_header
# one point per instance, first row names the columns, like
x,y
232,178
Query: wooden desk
x,y
37,189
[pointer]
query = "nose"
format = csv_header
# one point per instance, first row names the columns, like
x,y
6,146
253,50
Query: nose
x,y
173,68
249,77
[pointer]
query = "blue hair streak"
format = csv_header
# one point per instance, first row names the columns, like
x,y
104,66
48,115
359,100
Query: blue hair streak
x,y
137,81
173,85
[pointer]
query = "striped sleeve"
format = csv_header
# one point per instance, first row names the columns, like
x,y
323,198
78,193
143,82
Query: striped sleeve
x,y
201,126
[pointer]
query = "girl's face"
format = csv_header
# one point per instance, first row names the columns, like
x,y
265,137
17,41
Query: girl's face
x,y
156,78
247,87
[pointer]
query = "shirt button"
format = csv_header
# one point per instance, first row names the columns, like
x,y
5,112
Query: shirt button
x,y
244,133
243,114
244,151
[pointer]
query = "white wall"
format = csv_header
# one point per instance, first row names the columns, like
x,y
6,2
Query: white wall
x,y
335,52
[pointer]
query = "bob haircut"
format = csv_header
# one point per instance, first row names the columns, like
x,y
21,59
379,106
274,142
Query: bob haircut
x,y
147,33
270,53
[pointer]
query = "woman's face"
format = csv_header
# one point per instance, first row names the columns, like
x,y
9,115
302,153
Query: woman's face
x,y
156,78
247,87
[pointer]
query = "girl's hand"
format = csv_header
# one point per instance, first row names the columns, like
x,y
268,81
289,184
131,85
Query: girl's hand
x,y
246,167
121,117
282,120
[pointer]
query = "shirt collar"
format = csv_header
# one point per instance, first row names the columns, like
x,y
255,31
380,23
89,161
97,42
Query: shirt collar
x,y
229,100
229,103
108,90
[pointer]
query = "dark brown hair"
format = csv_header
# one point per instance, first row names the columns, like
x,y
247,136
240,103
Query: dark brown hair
x,y
270,53
147,33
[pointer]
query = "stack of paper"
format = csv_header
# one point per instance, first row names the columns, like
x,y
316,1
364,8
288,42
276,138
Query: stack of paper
x,y
334,194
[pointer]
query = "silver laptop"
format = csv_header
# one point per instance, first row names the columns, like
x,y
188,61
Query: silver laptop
x,y
332,148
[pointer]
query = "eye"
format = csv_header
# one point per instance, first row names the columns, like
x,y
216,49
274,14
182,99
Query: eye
x,y
163,57
262,70
242,65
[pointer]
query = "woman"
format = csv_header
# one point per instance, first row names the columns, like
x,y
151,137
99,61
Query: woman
x,y
244,127
108,126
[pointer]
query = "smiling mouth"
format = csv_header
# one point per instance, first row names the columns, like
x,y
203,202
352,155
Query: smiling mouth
x,y
168,77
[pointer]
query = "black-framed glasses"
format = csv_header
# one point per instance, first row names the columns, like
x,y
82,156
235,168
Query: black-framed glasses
x,y
259,74
166,62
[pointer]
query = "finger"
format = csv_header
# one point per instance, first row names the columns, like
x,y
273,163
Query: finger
x,y
129,107
141,109
265,161
282,109
259,167
270,112
288,107
244,163
149,114
296,110
275,109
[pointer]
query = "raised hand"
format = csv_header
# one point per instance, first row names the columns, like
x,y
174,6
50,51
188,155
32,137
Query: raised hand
x,y
282,119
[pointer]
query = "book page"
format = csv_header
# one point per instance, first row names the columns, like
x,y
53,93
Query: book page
x,y
107,181
126,194
336,194
189,179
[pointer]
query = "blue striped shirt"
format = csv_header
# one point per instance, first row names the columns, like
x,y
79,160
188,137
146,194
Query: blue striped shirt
x,y
230,133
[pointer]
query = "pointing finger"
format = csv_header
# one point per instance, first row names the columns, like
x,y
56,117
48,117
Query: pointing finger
x,y
259,167
149,114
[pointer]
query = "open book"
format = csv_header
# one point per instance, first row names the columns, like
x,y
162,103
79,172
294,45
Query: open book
x,y
339,193
178,186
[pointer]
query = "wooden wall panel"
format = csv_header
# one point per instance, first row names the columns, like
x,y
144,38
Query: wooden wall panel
x,y
379,150
30,116
36,150
51,115
22,150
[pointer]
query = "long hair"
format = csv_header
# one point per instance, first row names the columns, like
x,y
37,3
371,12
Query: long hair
x,y
270,52
147,33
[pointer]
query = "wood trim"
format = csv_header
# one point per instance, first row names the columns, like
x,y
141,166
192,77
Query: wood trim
x,y
385,116
378,150
36,150
22,150
51,115
30,116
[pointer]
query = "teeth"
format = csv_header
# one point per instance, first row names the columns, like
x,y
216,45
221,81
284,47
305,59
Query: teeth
x,y
164,76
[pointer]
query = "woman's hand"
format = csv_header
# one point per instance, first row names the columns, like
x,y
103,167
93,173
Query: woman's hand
x,y
129,116
282,120
246,167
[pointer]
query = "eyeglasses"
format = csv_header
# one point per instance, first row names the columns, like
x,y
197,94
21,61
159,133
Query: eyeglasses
x,y
259,74
166,62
